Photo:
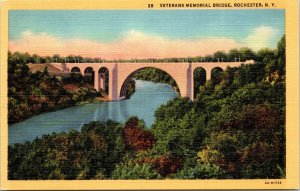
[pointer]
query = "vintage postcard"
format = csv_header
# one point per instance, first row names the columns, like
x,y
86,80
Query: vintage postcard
x,y
149,94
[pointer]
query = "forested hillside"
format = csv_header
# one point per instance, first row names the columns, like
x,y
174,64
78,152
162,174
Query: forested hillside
x,y
33,93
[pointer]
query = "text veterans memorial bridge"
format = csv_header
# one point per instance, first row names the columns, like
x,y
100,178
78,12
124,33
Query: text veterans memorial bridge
x,y
119,74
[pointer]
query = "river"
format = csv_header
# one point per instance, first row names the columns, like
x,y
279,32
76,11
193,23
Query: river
x,y
143,103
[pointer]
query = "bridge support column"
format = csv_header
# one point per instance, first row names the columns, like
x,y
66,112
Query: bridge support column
x,y
96,80
115,78
208,74
102,81
190,82
81,70
110,85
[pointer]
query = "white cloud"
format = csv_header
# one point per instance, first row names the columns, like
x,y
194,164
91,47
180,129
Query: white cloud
x,y
261,37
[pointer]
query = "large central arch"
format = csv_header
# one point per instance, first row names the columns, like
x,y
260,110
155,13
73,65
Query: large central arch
x,y
127,80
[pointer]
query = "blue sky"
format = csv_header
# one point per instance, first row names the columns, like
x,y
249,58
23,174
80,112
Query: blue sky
x,y
110,26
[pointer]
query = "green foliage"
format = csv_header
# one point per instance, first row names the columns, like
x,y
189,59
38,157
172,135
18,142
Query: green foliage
x,y
74,78
179,129
200,171
281,53
276,67
204,168
281,171
83,94
208,156
135,171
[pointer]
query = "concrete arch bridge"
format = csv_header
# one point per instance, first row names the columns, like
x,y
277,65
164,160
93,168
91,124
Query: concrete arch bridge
x,y
119,74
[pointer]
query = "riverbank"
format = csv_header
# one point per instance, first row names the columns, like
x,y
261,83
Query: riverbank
x,y
99,99
103,97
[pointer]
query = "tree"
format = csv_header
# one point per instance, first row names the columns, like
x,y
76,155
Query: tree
x,y
233,55
220,56
281,52
247,54
56,58
265,55
35,59
136,136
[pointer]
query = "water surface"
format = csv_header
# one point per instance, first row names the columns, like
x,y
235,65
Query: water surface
x,y
143,103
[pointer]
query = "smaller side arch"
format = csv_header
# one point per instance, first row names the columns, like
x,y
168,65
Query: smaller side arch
x,y
89,75
199,77
216,74
88,70
75,70
103,74
75,76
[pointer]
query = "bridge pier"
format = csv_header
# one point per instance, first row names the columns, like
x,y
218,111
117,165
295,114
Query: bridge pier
x,y
208,75
102,80
112,82
96,80
190,82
